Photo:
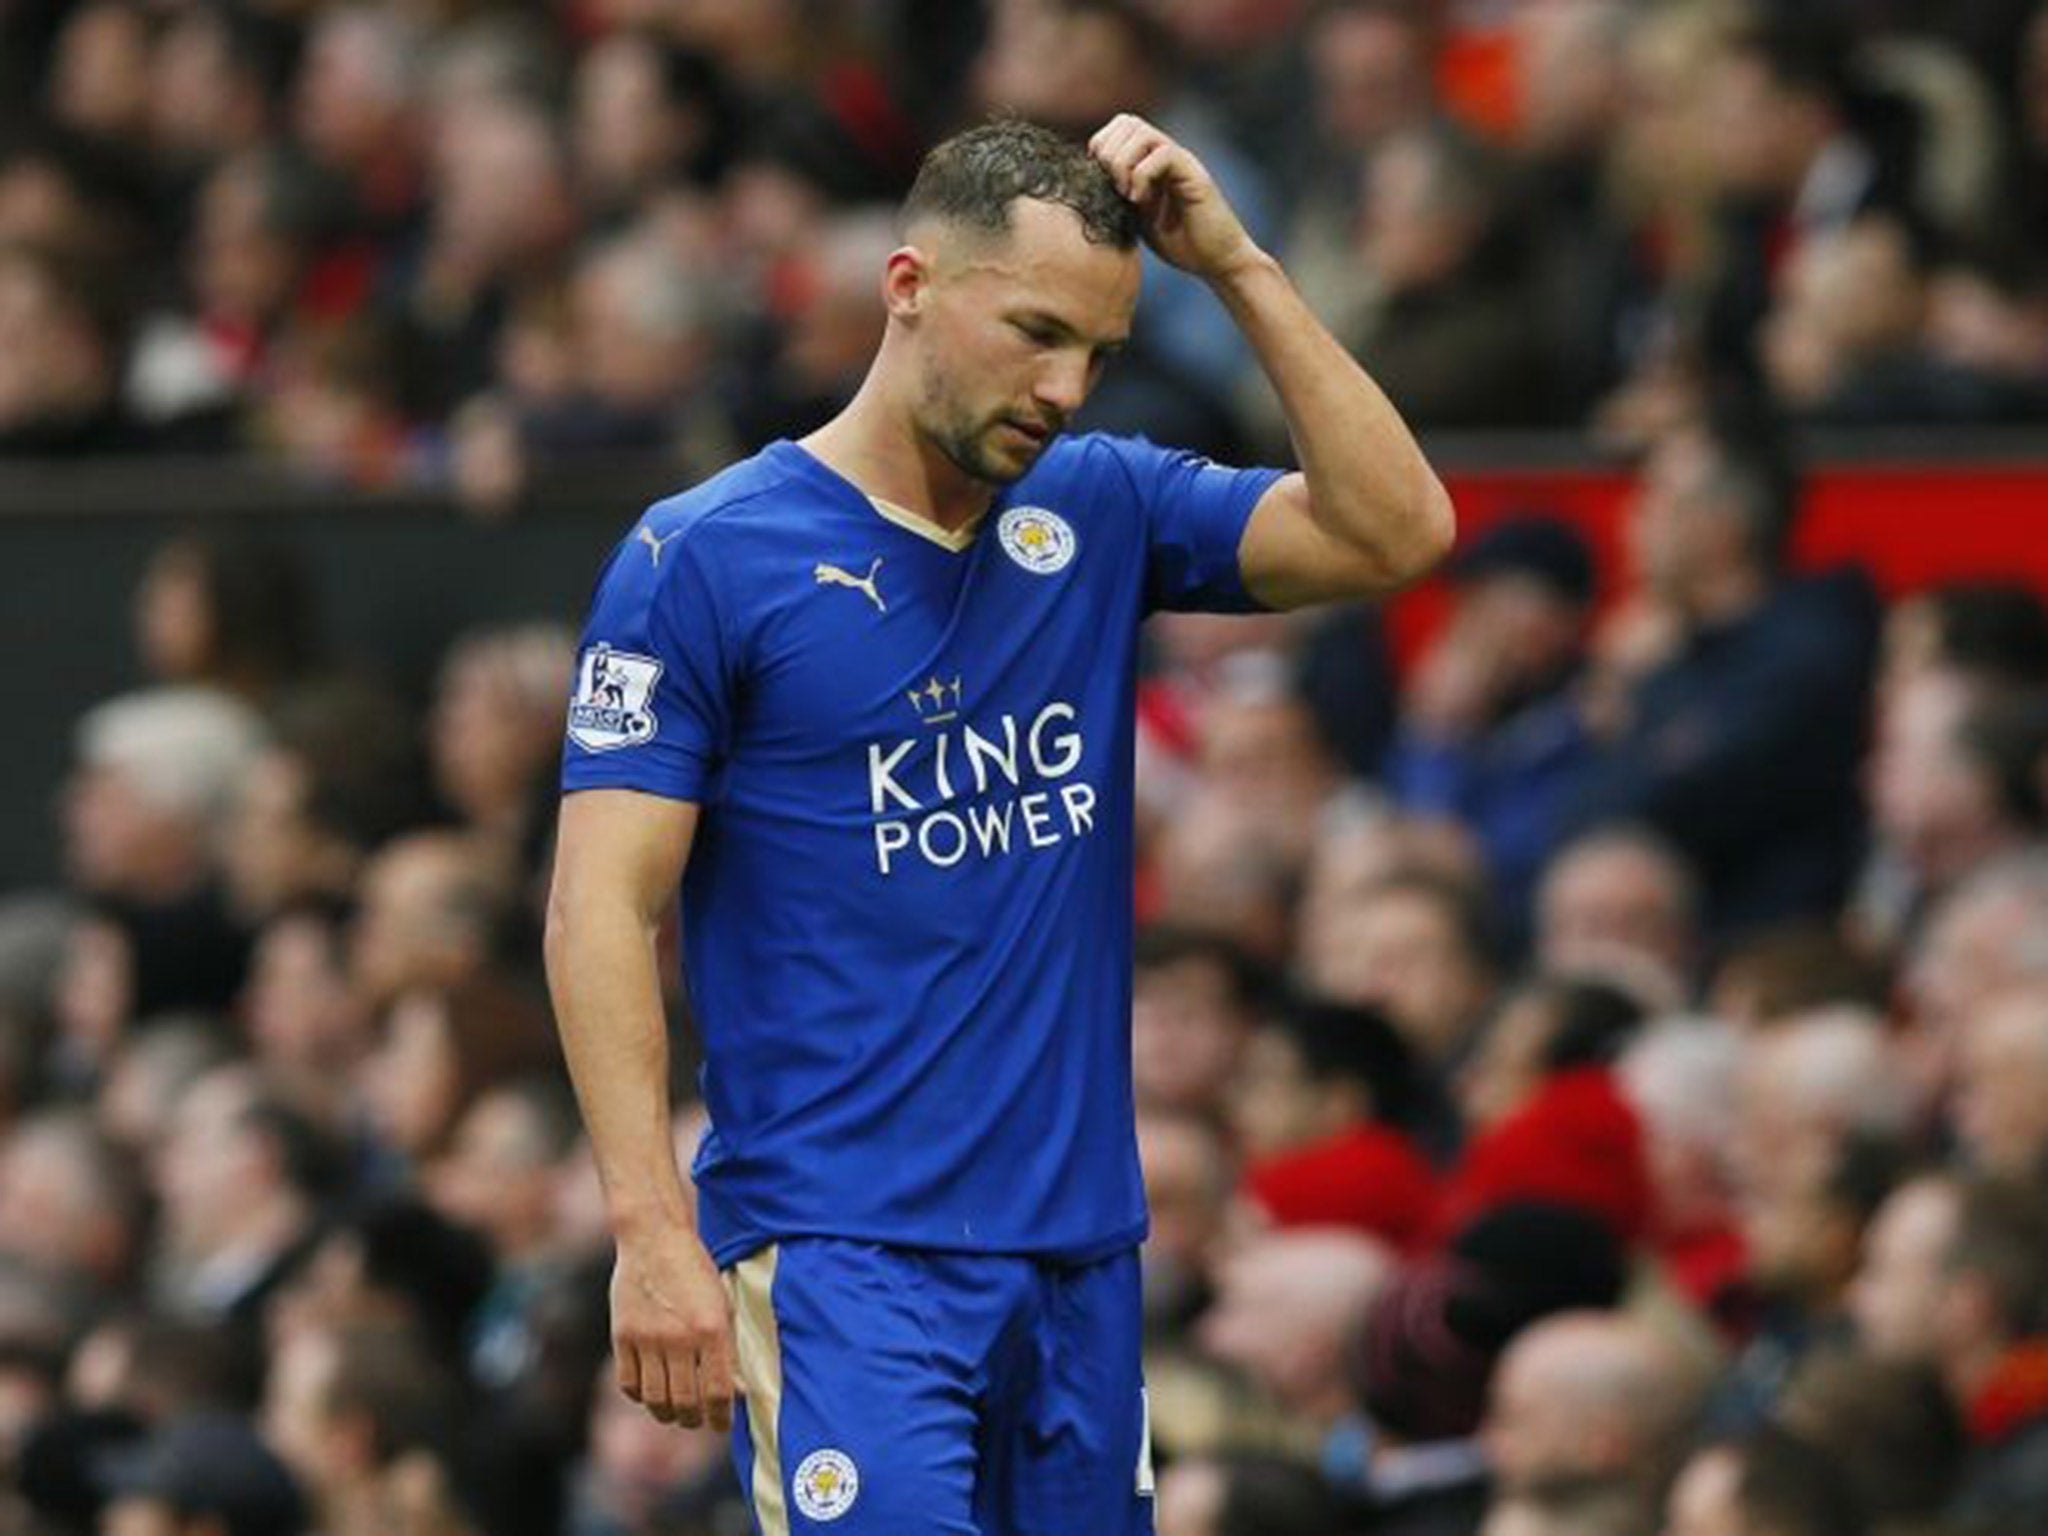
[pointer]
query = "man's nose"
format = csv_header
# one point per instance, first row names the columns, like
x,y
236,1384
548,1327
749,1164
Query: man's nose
x,y
1062,383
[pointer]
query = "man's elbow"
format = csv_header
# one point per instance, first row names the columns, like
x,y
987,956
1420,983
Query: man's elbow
x,y
1415,533
1434,521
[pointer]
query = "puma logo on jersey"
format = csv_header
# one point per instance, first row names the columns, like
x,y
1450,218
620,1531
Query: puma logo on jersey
x,y
833,576
654,542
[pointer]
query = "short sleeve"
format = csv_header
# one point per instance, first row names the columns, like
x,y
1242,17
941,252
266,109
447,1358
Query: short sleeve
x,y
651,705
1195,515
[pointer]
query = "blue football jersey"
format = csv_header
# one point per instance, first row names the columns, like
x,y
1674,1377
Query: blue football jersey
x,y
907,913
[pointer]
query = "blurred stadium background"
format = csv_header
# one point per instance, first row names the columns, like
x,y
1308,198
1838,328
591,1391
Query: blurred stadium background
x,y
1592,1016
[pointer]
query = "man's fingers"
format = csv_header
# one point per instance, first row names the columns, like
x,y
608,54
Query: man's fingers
x,y
715,1377
1151,172
1122,145
626,1361
682,1379
662,1397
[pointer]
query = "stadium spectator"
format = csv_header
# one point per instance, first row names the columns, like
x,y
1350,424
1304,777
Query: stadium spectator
x,y
432,905
203,1472
1768,1481
1731,698
1958,1281
1846,343
71,1202
439,1051
1681,1076
63,339
2001,1098
1196,998
1800,1247
1620,903
303,1023
640,1478
498,1178
1286,1307
1369,68
152,1074
1792,166
1895,1294
340,776
1983,939
644,112
1590,1401
1190,1176
1429,1348
1993,631
1416,947
496,726
364,1417
1951,789
1543,1026
1891,1429
157,773
241,1178
1319,1111
233,613
1248,1495
1450,327
1487,734
1589,281
392,1261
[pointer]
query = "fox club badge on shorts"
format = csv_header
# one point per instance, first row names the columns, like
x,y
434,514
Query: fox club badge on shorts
x,y
826,1484
1040,541
612,706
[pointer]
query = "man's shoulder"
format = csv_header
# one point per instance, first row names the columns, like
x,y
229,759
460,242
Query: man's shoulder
x,y
1120,463
721,499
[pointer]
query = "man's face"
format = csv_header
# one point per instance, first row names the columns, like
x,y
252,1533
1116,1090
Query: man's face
x,y
2002,1089
1401,951
1011,333
1273,1103
1895,1295
1673,526
1601,903
1186,1033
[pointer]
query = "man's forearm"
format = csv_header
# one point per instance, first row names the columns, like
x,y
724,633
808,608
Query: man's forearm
x,y
1369,486
604,977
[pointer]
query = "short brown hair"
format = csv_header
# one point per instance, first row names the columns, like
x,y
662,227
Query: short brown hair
x,y
974,177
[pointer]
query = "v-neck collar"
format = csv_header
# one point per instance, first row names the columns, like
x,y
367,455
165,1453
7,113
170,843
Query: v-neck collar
x,y
953,540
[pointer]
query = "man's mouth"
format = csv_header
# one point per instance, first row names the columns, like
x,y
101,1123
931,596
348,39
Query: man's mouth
x,y
1035,432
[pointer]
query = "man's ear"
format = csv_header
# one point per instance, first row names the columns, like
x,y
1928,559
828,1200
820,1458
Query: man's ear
x,y
905,280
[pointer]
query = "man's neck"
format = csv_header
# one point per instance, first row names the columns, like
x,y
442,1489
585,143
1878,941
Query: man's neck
x,y
874,444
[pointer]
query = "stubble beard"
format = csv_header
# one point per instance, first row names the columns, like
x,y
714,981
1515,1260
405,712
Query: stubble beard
x,y
945,423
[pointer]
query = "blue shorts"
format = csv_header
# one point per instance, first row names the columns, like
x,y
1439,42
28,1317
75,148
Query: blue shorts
x,y
908,1392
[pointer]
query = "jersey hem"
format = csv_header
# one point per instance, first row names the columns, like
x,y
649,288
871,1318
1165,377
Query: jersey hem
x,y
731,1250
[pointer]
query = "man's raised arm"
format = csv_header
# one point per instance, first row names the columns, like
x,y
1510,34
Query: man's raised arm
x,y
1366,514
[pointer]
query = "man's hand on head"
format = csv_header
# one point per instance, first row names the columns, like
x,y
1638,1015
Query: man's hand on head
x,y
1184,214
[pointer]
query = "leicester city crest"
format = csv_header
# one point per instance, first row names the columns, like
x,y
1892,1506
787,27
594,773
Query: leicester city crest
x,y
826,1484
1040,541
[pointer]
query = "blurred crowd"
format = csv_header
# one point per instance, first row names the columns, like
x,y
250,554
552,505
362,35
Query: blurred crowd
x,y
1592,1079
1592,1076
456,244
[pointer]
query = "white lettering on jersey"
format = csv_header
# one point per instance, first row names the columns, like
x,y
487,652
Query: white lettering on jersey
x,y
882,786
929,776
